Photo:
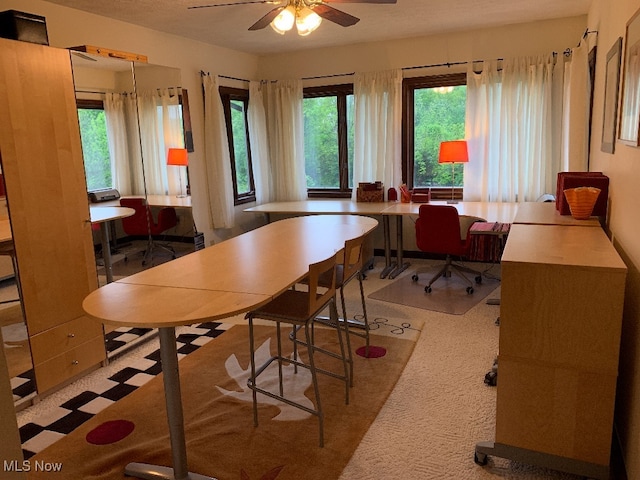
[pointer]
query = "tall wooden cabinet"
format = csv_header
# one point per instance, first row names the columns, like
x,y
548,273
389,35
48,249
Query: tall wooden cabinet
x,y
560,323
46,193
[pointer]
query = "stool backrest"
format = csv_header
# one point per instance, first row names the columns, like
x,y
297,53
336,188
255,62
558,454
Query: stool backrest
x,y
317,297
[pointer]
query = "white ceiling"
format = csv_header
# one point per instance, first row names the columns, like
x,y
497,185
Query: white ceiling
x,y
227,26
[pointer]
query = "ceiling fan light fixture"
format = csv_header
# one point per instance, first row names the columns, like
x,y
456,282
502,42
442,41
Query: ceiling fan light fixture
x,y
284,20
307,21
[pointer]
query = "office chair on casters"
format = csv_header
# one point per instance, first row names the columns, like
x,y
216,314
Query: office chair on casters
x,y
143,223
299,308
438,231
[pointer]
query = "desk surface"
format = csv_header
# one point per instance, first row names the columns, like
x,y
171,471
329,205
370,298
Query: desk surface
x,y
153,200
104,214
503,212
335,206
578,247
228,278
545,213
491,211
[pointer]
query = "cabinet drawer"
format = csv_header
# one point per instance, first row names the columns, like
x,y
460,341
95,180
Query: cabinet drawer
x,y
69,364
69,335
557,411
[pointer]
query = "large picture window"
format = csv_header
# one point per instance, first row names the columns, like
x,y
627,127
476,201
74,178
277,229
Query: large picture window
x,y
434,111
328,140
235,103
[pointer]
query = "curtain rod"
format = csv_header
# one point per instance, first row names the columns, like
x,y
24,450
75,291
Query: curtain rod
x,y
566,52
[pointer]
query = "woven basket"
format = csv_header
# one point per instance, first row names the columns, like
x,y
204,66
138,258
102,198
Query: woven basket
x,y
581,201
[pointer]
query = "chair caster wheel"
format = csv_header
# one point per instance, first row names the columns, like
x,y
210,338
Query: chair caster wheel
x,y
479,279
480,458
469,290
414,277
427,289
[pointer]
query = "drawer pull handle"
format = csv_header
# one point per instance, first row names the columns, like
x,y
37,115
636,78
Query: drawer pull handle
x,y
71,335
75,362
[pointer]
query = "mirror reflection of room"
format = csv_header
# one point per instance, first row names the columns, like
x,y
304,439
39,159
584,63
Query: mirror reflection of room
x,y
130,117
15,341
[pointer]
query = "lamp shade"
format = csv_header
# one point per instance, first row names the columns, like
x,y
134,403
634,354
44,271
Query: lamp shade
x,y
453,152
178,156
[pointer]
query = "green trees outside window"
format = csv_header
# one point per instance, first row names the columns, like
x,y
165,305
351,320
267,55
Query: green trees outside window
x,y
95,148
439,116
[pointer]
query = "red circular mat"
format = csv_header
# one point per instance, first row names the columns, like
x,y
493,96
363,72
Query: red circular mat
x,y
110,432
374,352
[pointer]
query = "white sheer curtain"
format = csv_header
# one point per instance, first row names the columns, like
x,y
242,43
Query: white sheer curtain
x,y
160,129
510,131
216,157
575,151
377,128
286,146
121,116
259,143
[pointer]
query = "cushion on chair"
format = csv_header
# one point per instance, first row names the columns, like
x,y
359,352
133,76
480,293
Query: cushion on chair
x,y
438,230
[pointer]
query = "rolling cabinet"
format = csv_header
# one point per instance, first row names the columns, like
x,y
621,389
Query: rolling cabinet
x,y
47,202
560,323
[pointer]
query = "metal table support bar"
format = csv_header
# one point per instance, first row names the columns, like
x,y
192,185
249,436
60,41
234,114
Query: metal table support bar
x,y
169,358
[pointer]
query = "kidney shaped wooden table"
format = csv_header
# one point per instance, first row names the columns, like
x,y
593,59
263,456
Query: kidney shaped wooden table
x,y
235,276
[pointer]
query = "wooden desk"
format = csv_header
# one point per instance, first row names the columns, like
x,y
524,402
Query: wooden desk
x,y
152,200
102,216
235,276
545,213
495,212
560,323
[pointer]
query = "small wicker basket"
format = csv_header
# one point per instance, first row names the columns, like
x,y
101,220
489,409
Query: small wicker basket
x,y
581,201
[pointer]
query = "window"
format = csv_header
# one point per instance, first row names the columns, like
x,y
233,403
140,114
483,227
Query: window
x,y
434,111
95,146
328,140
235,103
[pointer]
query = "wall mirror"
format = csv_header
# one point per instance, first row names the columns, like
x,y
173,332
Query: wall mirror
x,y
630,106
12,319
130,114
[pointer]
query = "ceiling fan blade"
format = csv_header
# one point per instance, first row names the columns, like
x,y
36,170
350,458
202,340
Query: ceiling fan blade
x,y
361,1
275,2
266,20
334,15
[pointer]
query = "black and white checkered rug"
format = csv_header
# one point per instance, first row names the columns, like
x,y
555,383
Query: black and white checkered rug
x,y
55,423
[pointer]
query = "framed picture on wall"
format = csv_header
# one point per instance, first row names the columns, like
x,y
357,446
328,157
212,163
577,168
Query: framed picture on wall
x,y
612,81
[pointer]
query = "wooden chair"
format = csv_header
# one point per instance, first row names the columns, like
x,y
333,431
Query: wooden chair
x,y
300,308
349,269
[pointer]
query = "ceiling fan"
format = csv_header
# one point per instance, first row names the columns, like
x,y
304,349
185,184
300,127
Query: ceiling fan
x,y
306,14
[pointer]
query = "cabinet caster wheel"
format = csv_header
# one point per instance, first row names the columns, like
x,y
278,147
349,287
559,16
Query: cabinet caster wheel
x,y
469,290
427,289
414,277
480,458
479,279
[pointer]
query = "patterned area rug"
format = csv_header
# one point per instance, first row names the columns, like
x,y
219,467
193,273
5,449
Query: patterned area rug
x,y
56,423
221,439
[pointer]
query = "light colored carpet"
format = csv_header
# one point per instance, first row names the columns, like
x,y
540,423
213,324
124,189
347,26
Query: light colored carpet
x,y
440,407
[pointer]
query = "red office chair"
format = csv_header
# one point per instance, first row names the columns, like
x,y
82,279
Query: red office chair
x,y
142,223
438,231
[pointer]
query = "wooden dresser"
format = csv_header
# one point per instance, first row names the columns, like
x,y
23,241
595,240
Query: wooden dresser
x,y
47,202
560,322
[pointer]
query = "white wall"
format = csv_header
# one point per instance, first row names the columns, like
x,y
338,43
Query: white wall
x,y
609,17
